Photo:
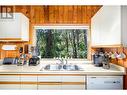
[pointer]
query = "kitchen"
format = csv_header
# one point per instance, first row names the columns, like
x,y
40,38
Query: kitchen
x,y
63,70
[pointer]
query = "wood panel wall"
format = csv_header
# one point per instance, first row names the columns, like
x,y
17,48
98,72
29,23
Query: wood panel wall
x,y
58,14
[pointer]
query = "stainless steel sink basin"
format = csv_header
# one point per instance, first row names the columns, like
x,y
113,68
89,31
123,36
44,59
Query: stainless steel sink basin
x,y
71,67
60,67
52,67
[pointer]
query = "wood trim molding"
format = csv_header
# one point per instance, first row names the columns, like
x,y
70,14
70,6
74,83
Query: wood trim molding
x,y
10,39
61,74
5,82
73,83
33,83
64,24
49,83
42,74
45,83
9,74
108,46
61,83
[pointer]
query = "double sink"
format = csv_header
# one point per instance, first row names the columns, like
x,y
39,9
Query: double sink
x,y
61,67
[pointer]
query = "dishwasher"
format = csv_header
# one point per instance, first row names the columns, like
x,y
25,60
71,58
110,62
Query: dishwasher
x,y
104,82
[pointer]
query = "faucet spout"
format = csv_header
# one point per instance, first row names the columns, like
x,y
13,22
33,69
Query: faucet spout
x,y
61,60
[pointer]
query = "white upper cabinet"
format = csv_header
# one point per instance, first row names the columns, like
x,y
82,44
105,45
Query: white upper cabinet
x,y
108,27
16,29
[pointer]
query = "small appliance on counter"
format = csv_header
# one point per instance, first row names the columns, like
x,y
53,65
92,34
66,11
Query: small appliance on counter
x,y
9,61
101,59
34,60
22,58
105,61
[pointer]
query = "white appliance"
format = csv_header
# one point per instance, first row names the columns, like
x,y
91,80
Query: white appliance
x,y
104,82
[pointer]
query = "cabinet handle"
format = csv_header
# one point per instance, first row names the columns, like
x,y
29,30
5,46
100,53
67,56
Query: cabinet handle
x,y
61,83
49,83
73,83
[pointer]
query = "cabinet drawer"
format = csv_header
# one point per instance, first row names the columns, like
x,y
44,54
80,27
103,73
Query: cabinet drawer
x,y
9,86
73,78
49,87
28,78
49,78
28,87
9,78
73,87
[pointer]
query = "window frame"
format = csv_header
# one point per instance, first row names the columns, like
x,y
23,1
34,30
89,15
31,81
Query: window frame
x,y
65,27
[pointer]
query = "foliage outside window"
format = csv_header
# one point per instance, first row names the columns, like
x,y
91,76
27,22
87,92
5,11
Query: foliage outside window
x,y
70,43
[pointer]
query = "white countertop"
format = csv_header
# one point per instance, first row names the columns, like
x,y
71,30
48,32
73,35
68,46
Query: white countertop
x,y
88,69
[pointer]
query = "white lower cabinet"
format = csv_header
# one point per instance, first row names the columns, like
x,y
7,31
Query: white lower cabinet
x,y
73,78
28,82
49,87
9,82
42,82
10,78
59,82
73,82
69,82
9,86
49,82
28,87
73,87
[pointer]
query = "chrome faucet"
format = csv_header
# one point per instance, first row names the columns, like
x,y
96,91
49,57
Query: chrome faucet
x,y
61,60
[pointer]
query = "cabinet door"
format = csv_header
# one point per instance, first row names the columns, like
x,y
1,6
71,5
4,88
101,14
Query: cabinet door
x,y
9,82
73,78
28,82
124,25
10,28
49,87
95,28
73,82
9,78
49,78
49,82
15,29
110,30
9,86
73,87
28,87
106,26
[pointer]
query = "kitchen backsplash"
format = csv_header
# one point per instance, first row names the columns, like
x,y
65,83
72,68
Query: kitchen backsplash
x,y
121,62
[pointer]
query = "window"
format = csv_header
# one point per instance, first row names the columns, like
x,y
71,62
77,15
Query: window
x,y
62,42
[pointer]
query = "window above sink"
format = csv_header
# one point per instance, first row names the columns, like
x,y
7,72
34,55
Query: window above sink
x,y
62,41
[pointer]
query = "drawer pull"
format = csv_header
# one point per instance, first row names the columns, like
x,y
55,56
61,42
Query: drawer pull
x,y
49,83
